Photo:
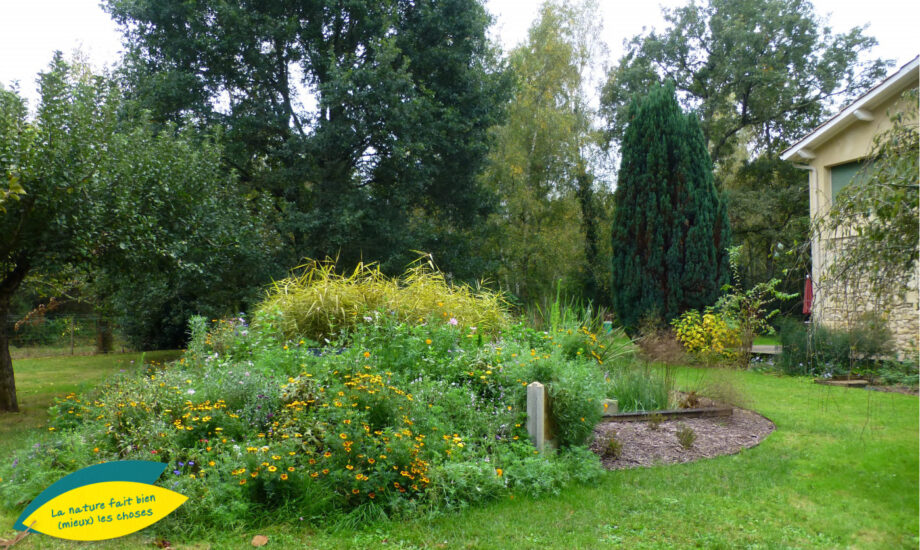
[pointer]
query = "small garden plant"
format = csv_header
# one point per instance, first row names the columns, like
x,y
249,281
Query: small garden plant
x,y
686,436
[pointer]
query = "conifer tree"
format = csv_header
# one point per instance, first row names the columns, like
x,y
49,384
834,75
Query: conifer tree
x,y
670,227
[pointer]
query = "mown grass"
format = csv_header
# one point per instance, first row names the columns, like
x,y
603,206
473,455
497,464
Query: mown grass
x,y
840,471
40,380
769,340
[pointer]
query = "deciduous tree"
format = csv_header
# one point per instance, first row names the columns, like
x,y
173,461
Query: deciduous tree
x,y
367,120
134,213
771,66
540,168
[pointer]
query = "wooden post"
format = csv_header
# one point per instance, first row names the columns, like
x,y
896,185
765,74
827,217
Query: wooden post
x,y
539,420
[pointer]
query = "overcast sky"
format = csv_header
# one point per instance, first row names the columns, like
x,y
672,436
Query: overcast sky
x,y
30,30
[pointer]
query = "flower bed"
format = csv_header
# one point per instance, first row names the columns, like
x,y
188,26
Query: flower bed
x,y
395,419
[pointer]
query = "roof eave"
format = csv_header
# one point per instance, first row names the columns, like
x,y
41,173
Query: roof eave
x,y
853,112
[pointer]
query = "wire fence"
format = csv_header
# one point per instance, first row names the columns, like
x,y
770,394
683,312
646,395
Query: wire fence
x,y
61,334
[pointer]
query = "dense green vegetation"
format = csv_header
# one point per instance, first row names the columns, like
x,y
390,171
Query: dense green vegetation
x,y
366,121
670,228
403,410
118,215
840,470
759,74
171,197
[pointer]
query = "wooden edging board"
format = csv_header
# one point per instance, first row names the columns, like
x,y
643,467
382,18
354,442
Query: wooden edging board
x,y
640,416
843,383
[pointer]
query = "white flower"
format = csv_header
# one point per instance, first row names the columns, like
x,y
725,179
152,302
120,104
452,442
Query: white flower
x,y
190,392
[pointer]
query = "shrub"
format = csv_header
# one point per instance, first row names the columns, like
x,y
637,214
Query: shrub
x,y
660,345
707,336
818,350
613,447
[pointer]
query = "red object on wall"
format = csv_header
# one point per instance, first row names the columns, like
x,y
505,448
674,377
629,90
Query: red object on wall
x,y
809,296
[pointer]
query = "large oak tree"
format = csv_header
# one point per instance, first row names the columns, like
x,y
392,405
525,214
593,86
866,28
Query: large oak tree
x,y
367,120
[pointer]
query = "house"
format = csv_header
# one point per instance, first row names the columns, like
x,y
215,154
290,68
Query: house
x,y
833,154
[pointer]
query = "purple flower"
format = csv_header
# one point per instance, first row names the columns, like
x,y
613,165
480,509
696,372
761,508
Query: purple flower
x,y
453,321
181,464
176,472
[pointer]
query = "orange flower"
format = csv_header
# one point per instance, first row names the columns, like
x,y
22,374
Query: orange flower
x,y
283,477
367,354
498,472
355,491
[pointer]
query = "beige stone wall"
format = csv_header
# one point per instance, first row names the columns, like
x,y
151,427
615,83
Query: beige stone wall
x,y
840,304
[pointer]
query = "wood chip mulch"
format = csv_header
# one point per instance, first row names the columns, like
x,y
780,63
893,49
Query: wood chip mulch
x,y
644,446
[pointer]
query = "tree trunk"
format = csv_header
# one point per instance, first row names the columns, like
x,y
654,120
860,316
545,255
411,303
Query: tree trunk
x,y
8,286
8,401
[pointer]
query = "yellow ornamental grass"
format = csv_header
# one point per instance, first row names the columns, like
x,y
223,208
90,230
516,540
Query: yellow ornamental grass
x,y
318,302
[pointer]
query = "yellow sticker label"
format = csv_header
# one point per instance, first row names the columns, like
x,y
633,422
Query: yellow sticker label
x,y
105,510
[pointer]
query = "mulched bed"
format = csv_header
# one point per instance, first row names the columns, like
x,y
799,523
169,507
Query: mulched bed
x,y
644,446
907,390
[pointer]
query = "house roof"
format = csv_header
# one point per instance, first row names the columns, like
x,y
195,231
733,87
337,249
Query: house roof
x,y
882,91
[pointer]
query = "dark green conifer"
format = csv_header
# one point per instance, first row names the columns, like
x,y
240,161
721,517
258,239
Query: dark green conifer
x,y
670,226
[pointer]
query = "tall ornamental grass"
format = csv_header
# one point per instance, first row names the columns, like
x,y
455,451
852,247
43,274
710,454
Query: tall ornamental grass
x,y
317,302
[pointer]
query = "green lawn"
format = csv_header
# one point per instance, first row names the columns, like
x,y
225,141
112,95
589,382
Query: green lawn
x,y
771,340
40,380
840,471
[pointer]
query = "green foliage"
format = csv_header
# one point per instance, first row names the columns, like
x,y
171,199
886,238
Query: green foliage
x,y
748,308
404,417
686,436
196,247
148,224
320,303
760,73
670,229
56,158
877,214
542,165
640,386
897,373
818,350
767,201
576,392
379,156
